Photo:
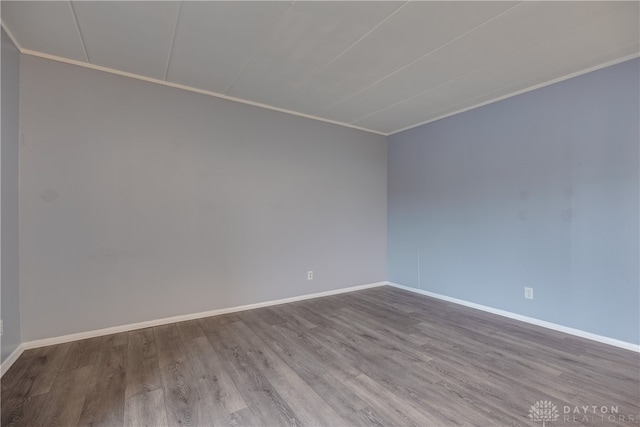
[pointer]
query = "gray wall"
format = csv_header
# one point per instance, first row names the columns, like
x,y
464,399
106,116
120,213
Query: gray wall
x,y
10,223
140,202
538,190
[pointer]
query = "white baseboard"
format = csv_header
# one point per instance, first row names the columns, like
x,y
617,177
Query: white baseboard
x,y
141,325
532,320
9,361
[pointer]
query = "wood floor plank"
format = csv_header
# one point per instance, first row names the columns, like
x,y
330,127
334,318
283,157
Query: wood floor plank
x,y
104,403
408,383
369,416
256,390
376,357
143,370
381,333
146,409
242,418
17,373
42,371
181,390
222,396
396,409
295,319
22,411
190,330
309,407
490,357
326,348
82,353
65,400
310,367
365,347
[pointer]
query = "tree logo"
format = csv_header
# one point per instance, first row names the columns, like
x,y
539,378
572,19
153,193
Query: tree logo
x,y
544,411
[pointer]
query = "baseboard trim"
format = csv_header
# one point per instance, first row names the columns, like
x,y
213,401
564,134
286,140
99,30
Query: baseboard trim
x,y
9,361
164,321
150,323
531,320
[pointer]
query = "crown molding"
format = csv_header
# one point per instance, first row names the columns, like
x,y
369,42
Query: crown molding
x,y
191,89
180,86
521,91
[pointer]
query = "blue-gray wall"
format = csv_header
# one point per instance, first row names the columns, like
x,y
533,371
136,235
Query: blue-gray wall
x,y
537,190
141,202
10,292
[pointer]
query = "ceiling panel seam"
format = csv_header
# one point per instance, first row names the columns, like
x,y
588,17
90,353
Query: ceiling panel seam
x,y
262,45
173,40
420,58
75,20
487,65
317,73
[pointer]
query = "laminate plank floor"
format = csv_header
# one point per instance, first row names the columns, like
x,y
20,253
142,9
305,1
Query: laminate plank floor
x,y
379,357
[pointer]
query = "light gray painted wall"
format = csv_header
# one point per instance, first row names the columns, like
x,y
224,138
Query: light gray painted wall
x,y
141,202
10,223
537,190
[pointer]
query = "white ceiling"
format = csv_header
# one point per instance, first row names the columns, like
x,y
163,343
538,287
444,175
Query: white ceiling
x,y
382,66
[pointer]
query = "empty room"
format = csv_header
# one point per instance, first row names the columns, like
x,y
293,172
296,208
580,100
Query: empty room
x,y
320,213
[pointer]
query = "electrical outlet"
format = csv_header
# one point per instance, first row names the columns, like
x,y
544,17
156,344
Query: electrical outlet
x,y
309,275
528,293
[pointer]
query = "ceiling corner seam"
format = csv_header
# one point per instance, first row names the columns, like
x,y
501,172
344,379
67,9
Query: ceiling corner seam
x,y
11,36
